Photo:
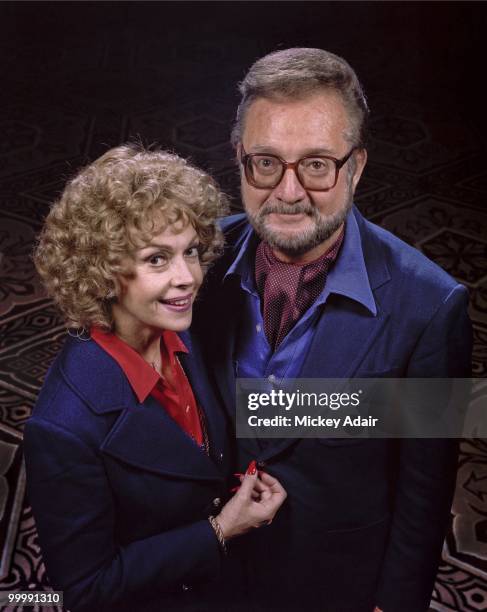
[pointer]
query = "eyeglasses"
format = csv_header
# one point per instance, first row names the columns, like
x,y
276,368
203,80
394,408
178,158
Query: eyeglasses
x,y
314,172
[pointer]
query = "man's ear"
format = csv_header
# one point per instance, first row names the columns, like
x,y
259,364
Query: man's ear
x,y
238,151
360,161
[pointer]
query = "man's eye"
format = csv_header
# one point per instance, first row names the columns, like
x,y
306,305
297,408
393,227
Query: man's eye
x,y
317,166
265,163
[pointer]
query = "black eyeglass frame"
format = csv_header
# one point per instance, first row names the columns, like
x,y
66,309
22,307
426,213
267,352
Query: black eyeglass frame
x,y
246,157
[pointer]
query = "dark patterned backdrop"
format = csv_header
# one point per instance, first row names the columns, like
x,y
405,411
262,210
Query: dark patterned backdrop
x,y
77,78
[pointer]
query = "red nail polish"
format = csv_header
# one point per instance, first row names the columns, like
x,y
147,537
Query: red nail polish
x,y
252,468
238,474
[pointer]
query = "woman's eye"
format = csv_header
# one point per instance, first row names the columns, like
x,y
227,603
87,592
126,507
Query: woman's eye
x,y
157,260
193,252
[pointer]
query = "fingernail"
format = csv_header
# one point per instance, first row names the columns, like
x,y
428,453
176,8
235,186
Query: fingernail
x,y
252,468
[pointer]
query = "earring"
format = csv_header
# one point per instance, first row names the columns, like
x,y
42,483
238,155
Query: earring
x,y
80,333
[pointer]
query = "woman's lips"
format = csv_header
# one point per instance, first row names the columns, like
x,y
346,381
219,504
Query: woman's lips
x,y
179,304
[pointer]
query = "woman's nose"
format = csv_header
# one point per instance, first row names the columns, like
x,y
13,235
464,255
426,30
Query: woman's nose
x,y
182,273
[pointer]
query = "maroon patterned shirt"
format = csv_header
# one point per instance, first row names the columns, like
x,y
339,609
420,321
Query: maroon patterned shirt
x,y
287,290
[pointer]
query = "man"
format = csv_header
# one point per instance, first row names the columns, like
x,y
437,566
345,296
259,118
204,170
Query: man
x,y
308,288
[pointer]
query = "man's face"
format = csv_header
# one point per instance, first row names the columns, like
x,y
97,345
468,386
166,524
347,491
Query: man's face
x,y
299,224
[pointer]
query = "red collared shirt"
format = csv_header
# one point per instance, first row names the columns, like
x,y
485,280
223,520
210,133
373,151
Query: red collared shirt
x,y
176,395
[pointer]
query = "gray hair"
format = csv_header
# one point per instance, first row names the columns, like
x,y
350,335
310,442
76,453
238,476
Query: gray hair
x,y
298,72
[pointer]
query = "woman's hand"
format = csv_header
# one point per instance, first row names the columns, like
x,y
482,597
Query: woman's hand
x,y
253,505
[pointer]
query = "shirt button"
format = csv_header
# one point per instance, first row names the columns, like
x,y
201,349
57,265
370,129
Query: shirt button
x,y
258,327
186,587
221,456
261,464
271,378
216,502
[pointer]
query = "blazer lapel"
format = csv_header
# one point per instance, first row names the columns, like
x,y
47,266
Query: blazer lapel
x,y
226,306
213,411
224,361
146,437
344,335
222,311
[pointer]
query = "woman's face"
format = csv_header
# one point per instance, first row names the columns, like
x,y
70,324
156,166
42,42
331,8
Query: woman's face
x,y
161,288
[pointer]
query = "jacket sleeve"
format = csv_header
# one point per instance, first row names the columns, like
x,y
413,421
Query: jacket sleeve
x,y
427,470
76,521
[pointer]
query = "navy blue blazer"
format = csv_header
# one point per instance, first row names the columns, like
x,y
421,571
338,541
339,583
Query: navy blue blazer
x,y
364,520
119,492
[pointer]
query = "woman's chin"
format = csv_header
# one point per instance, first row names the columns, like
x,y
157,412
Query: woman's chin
x,y
178,323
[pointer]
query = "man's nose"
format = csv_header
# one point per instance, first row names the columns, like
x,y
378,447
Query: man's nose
x,y
182,273
290,189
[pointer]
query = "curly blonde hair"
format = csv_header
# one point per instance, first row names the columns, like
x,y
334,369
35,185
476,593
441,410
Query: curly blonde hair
x,y
108,210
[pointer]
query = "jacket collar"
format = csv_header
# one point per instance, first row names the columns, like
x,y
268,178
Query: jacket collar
x,y
141,376
108,389
349,277
143,435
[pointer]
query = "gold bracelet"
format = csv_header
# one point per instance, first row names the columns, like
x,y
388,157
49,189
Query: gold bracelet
x,y
219,533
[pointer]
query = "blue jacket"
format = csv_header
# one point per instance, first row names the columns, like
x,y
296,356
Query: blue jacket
x,y
364,520
120,494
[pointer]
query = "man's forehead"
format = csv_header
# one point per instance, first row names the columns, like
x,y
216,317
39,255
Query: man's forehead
x,y
311,150
314,98
316,124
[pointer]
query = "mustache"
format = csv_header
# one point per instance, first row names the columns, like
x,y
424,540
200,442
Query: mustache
x,y
285,209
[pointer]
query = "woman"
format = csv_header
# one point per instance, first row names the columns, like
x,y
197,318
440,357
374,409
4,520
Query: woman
x,y
127,452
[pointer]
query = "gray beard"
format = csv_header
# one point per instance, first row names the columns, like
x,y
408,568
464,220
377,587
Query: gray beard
x,y
299,244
